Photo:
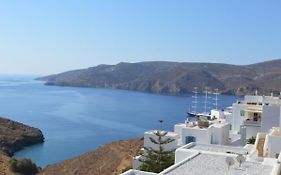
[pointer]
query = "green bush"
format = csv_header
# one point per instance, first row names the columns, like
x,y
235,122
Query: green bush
x,y
23,166
251,140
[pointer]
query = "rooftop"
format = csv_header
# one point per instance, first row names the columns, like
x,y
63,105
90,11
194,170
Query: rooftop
x,y
218,148
210,164
275,131
218,123
255,100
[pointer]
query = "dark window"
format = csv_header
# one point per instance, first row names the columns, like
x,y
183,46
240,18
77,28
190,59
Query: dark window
x,y
189,139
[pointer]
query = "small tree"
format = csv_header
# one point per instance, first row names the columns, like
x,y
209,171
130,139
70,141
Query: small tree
x,y
159,159
251,140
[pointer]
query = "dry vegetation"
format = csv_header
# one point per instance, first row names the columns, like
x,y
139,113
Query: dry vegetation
x,y
109,159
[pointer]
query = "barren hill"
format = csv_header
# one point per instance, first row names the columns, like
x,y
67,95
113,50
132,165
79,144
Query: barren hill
x,y
109,159
176,78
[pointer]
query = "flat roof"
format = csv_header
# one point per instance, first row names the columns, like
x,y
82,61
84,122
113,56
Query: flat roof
x,y
210,164
213,123
218,148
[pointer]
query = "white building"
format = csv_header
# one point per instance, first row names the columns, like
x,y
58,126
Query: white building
x,y
269,144
208,132
202,159
256,114
148,144
270,117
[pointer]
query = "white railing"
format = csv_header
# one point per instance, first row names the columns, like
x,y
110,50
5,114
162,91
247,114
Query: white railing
x,y
252,122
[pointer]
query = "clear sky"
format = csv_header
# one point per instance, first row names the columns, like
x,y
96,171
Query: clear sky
x,y
50,36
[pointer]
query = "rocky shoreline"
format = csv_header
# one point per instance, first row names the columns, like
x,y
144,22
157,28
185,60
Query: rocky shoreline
x,y
14,136
109,159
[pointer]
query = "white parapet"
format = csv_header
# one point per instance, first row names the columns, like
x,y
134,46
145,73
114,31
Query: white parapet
x,y
137,172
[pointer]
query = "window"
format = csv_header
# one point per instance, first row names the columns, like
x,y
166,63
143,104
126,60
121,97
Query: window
x,y
242,113
189,139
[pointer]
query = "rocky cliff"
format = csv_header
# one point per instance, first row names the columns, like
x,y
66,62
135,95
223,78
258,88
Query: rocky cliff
x,y
15,136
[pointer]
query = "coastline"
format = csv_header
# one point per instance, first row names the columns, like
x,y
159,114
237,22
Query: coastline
x,y
110,159
15,136
46,83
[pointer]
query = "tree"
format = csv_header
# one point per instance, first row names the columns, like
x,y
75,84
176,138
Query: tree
x,y
251,140
159,159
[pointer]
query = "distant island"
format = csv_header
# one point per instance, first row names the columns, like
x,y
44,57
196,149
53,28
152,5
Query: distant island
x,y
176,78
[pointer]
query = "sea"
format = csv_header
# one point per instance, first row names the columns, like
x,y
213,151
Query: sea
x,y
77,120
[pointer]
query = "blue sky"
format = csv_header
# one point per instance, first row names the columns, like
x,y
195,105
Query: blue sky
x,y
50,36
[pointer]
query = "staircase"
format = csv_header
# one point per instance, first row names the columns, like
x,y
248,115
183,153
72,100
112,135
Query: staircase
x,y
260,146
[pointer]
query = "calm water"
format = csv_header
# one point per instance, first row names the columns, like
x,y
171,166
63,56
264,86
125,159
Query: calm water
x,y
77,120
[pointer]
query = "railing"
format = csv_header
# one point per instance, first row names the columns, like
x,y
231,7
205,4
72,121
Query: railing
x,y
252,123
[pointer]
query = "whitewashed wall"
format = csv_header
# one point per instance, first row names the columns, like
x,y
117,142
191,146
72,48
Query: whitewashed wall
x,y
270,117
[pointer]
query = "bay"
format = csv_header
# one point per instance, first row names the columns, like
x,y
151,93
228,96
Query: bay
x,y
77,120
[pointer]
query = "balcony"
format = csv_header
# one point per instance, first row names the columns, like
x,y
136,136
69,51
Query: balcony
x,y
249,122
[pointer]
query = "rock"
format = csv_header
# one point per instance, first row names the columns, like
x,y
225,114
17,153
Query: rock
x,y
14,136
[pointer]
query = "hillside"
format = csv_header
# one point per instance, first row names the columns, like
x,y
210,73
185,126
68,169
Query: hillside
x,y
4,166
176,78
15,136
109,159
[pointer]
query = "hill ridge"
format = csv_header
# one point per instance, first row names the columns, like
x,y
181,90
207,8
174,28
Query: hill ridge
x,y
176,77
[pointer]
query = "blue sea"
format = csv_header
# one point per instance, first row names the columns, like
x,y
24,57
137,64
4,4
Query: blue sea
x,y
77,120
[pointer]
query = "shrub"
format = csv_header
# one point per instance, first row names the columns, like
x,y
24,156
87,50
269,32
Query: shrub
x,y
251,140
23,166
